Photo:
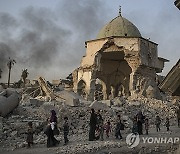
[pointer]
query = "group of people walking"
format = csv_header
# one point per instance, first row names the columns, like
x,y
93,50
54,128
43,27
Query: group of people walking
x,y
51,130
158,123
140,120
97,127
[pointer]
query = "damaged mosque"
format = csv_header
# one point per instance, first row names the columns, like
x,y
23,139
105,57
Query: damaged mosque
x,y
119,62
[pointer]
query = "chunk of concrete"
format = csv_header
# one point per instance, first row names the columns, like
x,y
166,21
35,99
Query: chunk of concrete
x,y
14,133
107,102
119,101
153,92
8,101
134,103
36,102
1,88
98,105
70,98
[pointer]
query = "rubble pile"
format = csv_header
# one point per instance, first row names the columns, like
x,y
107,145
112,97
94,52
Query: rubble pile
x,y
15,125
150,108
89,147
37,102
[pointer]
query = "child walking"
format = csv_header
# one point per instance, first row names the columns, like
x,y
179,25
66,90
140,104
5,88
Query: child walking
x,y
108,128
158,123
29,139
135,128
147,126
118,127
167,123
66,130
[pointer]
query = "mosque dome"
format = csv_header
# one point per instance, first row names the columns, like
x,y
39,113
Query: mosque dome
x,y
119,26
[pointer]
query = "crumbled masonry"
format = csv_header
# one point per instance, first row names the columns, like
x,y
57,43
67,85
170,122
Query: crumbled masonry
x,y
36,109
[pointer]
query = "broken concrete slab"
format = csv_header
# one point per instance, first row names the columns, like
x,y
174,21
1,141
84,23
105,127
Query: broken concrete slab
x,y
36,102
14,133
134,103
9,100
1,88
171,83
119,101
153,92
98,105
119,109
107,102
45,88
70,98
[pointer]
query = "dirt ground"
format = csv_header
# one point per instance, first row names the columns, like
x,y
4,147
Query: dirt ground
x,y
109,145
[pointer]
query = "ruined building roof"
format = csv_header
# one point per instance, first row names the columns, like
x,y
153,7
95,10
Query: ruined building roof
x,y
119,26
177,4
171,83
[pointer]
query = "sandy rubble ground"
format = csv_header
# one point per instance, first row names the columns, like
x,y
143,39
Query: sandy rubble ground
x,y
15,125
107,146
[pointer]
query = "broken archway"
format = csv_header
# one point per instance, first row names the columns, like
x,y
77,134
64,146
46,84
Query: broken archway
x,y
81,89
115,71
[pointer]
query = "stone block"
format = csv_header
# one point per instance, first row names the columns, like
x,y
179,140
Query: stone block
x,y
107,102
97,105
70,98
13,133
36,102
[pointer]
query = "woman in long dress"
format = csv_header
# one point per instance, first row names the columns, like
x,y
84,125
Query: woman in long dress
x,y
51,140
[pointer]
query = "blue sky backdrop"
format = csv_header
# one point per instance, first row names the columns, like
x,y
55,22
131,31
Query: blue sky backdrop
x,y
47,36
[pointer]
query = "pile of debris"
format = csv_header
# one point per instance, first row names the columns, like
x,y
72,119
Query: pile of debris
x,y
15,125
38,101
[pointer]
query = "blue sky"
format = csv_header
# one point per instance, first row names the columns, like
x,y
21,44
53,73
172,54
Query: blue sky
x,y
27,26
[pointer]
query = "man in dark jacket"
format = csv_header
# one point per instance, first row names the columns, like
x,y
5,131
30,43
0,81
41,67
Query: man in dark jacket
x,y
92,124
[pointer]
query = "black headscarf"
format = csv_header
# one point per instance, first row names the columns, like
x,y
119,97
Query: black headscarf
x,y
53,116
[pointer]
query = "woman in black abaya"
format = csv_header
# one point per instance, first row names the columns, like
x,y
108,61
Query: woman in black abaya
x,y
51,140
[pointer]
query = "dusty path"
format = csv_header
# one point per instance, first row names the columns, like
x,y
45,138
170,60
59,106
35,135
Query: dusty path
x,y
106,146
